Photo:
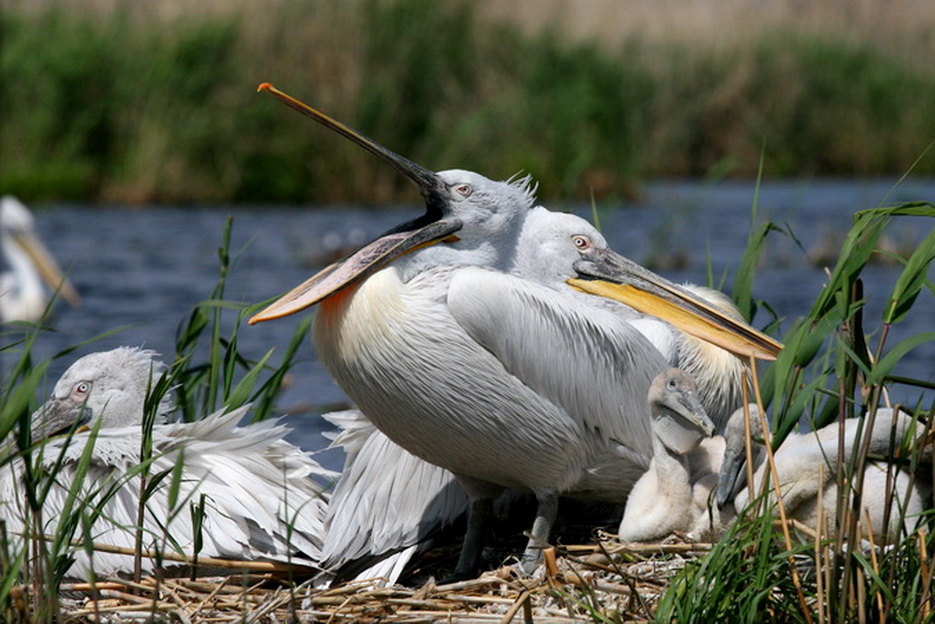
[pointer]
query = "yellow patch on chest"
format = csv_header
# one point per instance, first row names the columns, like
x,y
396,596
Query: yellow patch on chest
x,y
358,320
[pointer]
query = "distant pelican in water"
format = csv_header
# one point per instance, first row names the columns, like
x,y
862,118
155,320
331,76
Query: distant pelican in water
x,y
29,264
261,501
505,382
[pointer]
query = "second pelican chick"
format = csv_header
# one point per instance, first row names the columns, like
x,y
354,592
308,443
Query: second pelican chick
x,y
661,501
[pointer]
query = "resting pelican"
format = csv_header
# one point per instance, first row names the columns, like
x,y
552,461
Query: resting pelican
x,y
260,499
546,254
502,381
22,296
661,501
806,464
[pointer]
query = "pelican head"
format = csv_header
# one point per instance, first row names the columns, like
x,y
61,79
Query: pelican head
x,y
30,262
563,248
463,209
111,385
735,453
679,420
603,272
550,244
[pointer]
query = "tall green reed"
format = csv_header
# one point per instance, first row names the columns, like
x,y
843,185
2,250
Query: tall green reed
x,y
830,371
209,372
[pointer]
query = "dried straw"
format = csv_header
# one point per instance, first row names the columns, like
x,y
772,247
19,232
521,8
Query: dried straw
x,y
609,578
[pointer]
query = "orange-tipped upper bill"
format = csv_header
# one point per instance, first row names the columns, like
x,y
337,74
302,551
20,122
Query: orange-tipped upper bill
x,y
432,227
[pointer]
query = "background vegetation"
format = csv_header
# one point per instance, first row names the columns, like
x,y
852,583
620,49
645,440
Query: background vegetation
x,y
138,102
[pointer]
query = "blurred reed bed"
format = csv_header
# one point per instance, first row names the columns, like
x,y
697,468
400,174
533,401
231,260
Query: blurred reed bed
x,y
140,102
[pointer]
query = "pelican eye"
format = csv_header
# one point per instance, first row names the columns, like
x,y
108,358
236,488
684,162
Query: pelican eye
x,y
464,189
673,385
82,388
581,242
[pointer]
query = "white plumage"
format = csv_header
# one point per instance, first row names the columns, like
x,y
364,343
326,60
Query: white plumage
x,y
450,365
261,498
806,464
387,500
502,381
661,501
387,503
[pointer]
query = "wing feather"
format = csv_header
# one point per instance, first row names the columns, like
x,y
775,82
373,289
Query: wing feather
x,y
386,502
261,501
584,358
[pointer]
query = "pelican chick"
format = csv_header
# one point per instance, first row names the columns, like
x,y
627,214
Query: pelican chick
x,y
718,372
661,501
22,294
260,499
806,465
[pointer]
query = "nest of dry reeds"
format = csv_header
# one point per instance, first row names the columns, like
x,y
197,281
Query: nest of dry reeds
x,y
604,580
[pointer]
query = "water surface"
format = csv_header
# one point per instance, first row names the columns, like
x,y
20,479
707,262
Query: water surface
x,y
144,269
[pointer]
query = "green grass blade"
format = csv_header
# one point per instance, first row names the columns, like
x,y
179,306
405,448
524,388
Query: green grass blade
x,y
241,393
175,483
882,369
746,271
910,281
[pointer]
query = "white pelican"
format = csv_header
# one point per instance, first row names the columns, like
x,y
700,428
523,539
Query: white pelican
x,y
546,254
661,501
502,381
806,465
261,501
388,502
22,294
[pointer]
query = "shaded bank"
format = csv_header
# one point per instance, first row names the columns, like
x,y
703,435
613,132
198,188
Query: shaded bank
x,y
135,103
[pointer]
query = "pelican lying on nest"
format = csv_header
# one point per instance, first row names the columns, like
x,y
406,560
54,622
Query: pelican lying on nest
x,y
892,498
22,294
260,497
505,382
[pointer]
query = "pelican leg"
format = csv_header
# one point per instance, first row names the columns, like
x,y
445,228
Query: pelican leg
x,y
478,524
546,512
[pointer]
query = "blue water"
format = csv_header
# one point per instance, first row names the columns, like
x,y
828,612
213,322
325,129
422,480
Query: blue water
x,y
144,269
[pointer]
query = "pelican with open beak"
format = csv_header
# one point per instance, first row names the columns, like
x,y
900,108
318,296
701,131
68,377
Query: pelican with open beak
x,y
435,225
505,381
